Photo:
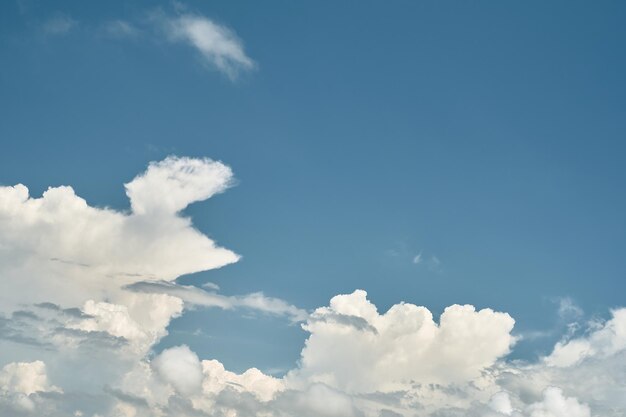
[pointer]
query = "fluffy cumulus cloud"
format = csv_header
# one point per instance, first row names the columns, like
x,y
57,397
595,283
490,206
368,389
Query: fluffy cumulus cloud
x,y
86,293
25,378
359,362
21,383
180,367
89,250
67,271
388,352
179,181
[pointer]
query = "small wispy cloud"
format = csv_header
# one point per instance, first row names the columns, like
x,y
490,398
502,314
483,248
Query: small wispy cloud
x,y
568,309
194,296
417,258
421,259
59,24
120,29
211,286
531,335
218,46
434,264
569,324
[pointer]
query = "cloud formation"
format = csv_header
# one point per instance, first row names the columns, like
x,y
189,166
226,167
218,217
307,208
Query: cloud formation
x,y
90,251
180,367
605,341
83,287
25,378
218,46
20,382
552,404
388,352
358,362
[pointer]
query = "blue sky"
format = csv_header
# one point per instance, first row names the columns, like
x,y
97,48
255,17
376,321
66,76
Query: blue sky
x,y
486,137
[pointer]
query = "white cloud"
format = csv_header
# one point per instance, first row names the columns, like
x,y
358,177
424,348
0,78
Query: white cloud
x,y
216,379
91,252
259,301
591,368
21,384
180,367
218,45
432,262
501,403
168,186
379,365
211,286
568,309
141,320
554,404
77,273
104,281
417,258
388,352
25,378
320,400
609,339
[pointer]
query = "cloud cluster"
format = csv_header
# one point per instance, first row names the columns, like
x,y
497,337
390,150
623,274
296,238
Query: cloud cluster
x,y
71,251
67,268
358,362
87,293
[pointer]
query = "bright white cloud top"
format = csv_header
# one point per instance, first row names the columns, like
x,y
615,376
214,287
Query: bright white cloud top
x,y
390,352
93,289
70,250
